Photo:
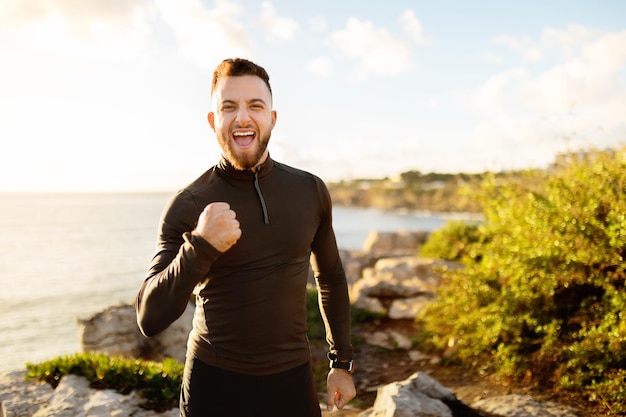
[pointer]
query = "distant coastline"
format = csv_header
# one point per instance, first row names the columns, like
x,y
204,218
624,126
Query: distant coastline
x,y
412,192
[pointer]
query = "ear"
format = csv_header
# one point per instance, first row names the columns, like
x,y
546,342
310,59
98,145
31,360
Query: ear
x,y
274,116
211,118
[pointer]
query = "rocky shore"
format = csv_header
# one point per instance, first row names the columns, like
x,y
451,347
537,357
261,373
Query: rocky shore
x,y
386,277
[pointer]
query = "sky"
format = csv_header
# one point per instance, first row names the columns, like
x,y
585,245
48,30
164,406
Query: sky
x,y
112,95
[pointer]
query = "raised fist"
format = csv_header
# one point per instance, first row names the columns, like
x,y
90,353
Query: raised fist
x,y
219,226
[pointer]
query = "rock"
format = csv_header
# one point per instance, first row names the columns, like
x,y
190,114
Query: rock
x,y
387,285
522,406
380,339
72,398
371,304
20,397
417,396
114,331
401,277
354,262
395,243
390,340
400,340
172,342
402,285
408,308
417,356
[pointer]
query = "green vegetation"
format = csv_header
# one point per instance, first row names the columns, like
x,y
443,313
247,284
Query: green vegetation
x,y
541,297
157,382
457,241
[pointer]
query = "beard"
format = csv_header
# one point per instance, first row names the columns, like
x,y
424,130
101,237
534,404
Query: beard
x,y
244,161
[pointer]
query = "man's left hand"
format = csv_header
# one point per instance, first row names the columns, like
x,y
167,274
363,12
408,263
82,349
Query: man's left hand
x,y
340,388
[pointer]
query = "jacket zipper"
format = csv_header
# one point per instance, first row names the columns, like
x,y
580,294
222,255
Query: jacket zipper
x,y
266,218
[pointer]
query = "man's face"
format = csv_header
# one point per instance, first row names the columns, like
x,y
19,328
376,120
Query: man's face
x,y
243,119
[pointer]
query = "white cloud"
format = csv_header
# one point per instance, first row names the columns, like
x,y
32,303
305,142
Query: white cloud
x,y
499,93
80,15
322,66
377,51
567,42
318,24
493,58
434,103
608,52
275,26
578,94
412,26
524,46
96,29
118,29
206,36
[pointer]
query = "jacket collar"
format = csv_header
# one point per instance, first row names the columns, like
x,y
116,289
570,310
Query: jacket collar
x,y
226,168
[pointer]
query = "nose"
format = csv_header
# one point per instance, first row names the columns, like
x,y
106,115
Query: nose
x,y
243,117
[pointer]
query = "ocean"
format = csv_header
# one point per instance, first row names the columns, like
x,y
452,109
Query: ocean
x,y
65,256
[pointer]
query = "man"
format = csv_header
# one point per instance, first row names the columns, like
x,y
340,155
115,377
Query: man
x,y
240,238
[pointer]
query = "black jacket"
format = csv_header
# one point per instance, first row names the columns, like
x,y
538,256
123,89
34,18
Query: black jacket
x,y
251,300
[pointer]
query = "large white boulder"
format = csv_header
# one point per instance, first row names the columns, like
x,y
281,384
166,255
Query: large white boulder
x,y
114,331
418,396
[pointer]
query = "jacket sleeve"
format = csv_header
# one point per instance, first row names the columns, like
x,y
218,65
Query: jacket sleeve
x,y
182,259
334,300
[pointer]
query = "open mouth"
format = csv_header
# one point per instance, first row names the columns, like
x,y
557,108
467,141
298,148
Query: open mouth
x,y
244,138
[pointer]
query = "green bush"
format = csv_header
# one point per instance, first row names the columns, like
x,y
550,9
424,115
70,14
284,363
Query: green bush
x,y
542,291
157,382
457,241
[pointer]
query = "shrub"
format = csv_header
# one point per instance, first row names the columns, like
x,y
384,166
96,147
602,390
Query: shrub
x,y
456,241
157,382
542,293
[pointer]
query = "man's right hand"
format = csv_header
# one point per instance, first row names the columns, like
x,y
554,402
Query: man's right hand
x,y
219,226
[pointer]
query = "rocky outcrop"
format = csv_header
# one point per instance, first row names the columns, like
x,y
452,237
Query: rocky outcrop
x,y
72,398
114,331
523,406
398,287
395,243
19,397
417,396
422,396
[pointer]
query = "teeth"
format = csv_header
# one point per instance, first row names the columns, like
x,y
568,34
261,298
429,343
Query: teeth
x,y
243,133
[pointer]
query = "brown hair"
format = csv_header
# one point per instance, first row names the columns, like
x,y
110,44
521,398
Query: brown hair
x,y
233,67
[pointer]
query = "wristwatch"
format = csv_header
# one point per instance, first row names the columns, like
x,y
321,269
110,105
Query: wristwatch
x,y
336,363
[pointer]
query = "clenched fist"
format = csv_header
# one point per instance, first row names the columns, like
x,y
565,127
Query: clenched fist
x,y
219,226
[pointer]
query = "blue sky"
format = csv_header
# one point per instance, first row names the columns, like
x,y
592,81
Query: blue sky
x,y
106,95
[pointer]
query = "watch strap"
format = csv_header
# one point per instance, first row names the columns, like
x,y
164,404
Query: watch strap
x,y
336,363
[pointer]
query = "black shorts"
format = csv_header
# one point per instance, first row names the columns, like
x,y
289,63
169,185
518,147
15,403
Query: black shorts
x,y
208,391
